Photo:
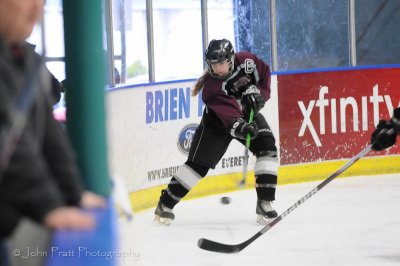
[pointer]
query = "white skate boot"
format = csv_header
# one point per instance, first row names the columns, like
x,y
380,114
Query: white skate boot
x,y
265,212
164,215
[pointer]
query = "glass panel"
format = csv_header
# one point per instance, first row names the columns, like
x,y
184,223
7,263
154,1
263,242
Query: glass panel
x,y
36,39
53,3
178,52
130,40
220,20
252,27
377,32
54,29
57,68
312,34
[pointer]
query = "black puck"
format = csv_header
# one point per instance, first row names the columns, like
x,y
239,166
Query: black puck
x,y
225,200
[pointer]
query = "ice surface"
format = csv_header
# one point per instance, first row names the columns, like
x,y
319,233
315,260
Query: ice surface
x,y
352,221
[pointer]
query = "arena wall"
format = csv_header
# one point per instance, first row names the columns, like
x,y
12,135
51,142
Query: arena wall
x,y
320,119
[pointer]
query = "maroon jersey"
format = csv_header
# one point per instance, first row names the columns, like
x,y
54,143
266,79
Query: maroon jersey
x,y
222,97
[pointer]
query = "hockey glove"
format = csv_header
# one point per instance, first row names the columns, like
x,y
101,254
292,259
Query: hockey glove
x,y
252,99
240,129
384,135
396,120
240,85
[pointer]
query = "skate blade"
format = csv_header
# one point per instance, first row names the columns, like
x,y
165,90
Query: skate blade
x,y
162,221
262,220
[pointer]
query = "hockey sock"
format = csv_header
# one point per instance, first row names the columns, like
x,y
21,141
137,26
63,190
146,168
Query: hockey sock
x,y
173,193
181,183
266,186
266,172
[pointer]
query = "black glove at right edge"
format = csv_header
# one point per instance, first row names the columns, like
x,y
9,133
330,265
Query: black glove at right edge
x,y
384,136
386,132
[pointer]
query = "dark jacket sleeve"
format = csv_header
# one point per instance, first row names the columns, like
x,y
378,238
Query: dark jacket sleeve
x,y
26,184
61,160
41,174
32,184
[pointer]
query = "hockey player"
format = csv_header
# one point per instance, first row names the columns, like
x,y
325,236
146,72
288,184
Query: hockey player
x,y
233,85
386,132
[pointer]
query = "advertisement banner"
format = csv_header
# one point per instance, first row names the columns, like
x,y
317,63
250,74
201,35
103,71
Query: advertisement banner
x,y
331,115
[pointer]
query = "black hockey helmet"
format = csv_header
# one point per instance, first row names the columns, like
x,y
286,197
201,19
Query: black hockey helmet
x,y
219,51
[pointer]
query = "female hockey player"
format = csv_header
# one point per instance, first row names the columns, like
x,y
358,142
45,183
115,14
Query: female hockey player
x,y
233,85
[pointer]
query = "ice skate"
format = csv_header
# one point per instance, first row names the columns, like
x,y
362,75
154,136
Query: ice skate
x,y
265,212
164,215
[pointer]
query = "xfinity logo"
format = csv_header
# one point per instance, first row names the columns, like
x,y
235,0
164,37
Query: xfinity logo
x,y
185,138
341,105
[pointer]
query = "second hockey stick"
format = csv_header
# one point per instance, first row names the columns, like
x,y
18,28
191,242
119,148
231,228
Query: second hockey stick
x,y
226,248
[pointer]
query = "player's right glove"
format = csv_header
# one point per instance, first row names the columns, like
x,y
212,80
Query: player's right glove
x,y
252,100
384,135
240,128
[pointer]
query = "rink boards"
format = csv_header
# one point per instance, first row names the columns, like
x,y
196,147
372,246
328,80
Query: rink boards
x,y
320,119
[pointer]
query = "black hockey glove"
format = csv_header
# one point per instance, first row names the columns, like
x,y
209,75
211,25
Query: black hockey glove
x,y
384,135
240,128
396,120
252,99
386,132
240,85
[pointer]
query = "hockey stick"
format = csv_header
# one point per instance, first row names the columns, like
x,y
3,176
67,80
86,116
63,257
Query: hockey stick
x,y
246,153
226,248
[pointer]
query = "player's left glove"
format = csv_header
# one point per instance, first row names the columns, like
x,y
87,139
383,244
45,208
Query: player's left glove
x,y
384,135
240,128
252,99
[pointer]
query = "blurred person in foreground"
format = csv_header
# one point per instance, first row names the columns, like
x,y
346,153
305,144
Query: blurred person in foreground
x,y
40,179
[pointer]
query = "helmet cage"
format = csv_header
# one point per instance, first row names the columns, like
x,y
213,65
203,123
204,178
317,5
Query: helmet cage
x,y
219,51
